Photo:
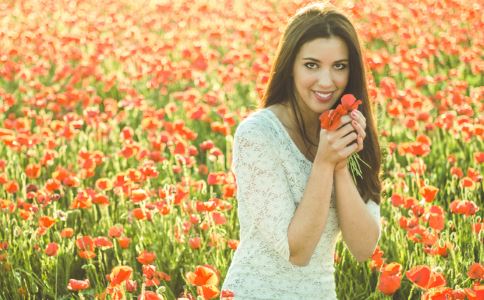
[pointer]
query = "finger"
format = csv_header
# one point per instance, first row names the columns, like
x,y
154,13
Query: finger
x,y
358,116
361,132
347,151
343,131
360,143
344,141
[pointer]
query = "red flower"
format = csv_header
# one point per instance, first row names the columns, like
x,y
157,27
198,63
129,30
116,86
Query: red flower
x,y
115,231
429,192
203,275
390,278
208,291
46,221
425,278
464,207
85,243
146,257
436,218
149,295
331,119
120,274
476,271
77,285
52,249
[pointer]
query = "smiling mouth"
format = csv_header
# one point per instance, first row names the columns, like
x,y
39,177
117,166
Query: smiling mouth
x,y
323,97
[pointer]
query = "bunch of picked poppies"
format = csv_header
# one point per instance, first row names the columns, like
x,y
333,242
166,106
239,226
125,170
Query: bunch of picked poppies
x,y
331,120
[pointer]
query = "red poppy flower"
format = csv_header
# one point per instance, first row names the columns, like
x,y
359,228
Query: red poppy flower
x,y
85,243
46,221
149,295
208,291
115,231
52,249
67,232
429,192
476,271
120,274
203,275
146,257
390,278
78,285
425,278
331,119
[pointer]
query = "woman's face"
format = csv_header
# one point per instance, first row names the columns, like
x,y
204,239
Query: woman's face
x,y
321,72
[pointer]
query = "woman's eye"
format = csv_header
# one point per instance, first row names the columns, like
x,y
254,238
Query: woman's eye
x,y
340,66
311,65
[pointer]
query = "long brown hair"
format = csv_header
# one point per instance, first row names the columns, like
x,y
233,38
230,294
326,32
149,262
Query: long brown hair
x,y
325,21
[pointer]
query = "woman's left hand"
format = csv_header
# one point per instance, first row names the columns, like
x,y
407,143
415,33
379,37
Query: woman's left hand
x,y
359,124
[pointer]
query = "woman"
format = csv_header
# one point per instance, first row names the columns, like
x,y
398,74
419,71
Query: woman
x,y
295,191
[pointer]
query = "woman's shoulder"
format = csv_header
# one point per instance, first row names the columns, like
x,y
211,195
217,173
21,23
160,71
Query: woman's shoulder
x,y
256,123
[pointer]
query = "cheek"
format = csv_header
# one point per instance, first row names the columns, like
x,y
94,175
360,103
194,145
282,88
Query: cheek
x,y
304,79
342,79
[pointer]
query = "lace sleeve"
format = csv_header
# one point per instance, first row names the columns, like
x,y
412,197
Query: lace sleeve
x,y
374,209
264,200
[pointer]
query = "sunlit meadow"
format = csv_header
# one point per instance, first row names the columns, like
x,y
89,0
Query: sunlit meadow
x,y
116,126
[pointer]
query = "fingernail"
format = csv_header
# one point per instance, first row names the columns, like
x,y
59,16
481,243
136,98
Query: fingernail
x,y
353,113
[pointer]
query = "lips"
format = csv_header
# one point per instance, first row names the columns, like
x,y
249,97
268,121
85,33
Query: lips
x,y
323,96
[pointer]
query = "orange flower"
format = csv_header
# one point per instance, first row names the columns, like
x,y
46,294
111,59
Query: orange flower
x,y
120,274
331,119
203,275
436,218
138,195
115,231
464,207
146,257
227,295
390,278
85,243
149,295
78,285
195,243
52,249
429,192
87,254
102,242
208,291
377,258
33,171
67,232
233,244
425,278
46,221
124,242
11,187
104,184
476,271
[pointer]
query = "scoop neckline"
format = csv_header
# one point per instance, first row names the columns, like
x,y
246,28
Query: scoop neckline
x,y
281,126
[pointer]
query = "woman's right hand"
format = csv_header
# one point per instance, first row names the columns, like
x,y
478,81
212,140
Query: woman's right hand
x,y
337,145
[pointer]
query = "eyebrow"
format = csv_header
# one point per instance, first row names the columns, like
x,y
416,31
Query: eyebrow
x,y
317,60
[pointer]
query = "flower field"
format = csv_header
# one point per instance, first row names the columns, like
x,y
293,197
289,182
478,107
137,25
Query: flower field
x,y
116,125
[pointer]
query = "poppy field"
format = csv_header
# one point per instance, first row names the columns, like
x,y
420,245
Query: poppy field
x,y
116,126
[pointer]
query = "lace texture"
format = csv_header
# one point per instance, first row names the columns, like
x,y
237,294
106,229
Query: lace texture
x,y
271,175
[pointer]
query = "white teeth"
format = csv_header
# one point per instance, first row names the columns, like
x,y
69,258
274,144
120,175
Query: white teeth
x,y
324,95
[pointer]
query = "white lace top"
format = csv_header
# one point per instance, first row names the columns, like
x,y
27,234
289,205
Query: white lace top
x,y
271,175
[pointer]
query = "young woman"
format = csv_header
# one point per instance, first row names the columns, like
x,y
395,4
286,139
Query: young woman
x,y
295,191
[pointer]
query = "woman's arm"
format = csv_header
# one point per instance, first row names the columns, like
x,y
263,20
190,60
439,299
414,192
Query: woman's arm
x,y
360,230
309,220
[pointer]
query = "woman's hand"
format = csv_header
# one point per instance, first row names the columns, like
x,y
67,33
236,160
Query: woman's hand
x,y
337,145
359,124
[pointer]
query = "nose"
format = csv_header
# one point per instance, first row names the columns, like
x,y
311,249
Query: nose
x,y
325,79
